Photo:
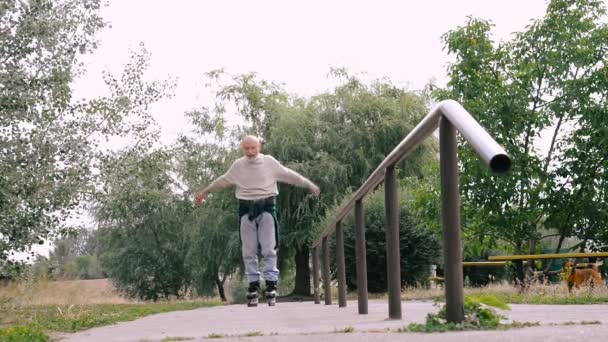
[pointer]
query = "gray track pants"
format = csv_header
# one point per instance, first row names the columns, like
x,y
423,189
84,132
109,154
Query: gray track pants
x,y
258,236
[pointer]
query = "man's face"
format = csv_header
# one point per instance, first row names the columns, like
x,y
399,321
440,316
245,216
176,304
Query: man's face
x,y
251,148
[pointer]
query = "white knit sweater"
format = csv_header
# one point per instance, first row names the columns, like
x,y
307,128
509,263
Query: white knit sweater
x,y
257,178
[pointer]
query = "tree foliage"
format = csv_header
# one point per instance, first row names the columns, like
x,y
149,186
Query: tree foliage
x,y
214,250
336,139
148,197
49,141
546,85
141,223
42,136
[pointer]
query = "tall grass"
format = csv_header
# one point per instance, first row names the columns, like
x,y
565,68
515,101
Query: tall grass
x,y
535,294
75,305
64,292
545,294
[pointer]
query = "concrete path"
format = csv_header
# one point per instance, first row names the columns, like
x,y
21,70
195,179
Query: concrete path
x,y
306,321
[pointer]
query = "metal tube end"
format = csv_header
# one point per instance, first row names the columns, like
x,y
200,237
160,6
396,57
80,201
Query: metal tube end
x,y
500,163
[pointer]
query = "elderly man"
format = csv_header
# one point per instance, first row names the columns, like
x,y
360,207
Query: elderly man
x,y
255,176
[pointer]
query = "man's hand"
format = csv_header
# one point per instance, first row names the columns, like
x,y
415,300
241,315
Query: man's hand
x,y
315,190
200,198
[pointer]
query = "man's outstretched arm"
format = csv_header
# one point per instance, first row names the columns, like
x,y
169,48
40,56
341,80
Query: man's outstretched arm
x,y
218,184
289,176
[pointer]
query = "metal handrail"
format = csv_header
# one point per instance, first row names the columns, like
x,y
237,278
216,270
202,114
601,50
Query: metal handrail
x,y
488,150
450,116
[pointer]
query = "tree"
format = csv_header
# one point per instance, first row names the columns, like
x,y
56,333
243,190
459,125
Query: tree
x,y
339,138
214,251
49,141
73,257
141,223
204,244
42,138
548,81
82,241
336,139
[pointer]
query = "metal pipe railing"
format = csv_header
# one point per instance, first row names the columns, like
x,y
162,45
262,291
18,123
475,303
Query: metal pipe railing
x,y
315,275
453,117
450,219
326,280
421,131
361,252
341,265
393,258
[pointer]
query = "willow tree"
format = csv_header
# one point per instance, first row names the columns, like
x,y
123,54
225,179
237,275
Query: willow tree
x,y
335,138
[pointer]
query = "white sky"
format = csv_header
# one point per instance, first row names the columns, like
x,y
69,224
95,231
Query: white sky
x,y
289,42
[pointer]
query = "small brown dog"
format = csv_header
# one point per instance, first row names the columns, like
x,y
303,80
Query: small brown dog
x,y
581,277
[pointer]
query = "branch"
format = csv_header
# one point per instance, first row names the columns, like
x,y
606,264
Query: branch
x,y
557,128
478,234
550,235
552,146
535,106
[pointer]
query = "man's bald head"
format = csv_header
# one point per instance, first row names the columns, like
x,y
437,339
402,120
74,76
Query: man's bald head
x,y
250,139
251,146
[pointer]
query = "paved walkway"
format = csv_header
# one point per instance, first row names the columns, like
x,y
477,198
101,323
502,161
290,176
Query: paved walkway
x,y
305,321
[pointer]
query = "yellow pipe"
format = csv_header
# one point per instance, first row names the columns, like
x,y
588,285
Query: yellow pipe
x,y
547,256
484,263
587,264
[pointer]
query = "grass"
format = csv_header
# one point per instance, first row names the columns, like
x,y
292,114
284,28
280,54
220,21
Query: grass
x,y
518,325
213,335
65,292
177,338
579,323
346,330
29,333
546,294
74,318
31,308
555,294
479,314
36,307
249,334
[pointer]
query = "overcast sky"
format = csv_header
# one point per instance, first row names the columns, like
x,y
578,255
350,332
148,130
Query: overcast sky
x,y
289,42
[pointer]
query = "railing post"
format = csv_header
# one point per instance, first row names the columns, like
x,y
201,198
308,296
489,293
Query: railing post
x,y
361,257
315,274
450,215
341,265
326,279
393,259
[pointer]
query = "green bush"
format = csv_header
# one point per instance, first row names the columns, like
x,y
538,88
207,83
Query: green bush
x,y
30,333
419,247
84,267
75,267
144,257
11,270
